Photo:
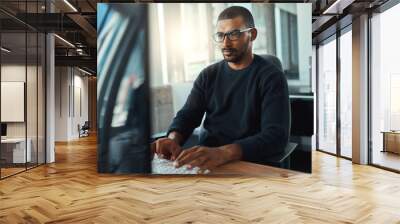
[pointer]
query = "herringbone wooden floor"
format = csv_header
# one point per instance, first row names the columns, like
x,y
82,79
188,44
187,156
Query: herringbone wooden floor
x,y
71,191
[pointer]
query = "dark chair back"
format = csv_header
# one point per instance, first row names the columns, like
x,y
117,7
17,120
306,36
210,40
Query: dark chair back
x,y
283,160
274,60
85,126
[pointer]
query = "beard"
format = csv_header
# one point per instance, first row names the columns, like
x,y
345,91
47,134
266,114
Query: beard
x,y
234,55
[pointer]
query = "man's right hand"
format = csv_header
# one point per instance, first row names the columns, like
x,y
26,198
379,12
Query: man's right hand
x,y
166,148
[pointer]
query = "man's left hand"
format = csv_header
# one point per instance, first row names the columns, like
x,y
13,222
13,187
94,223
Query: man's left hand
x,y
207,158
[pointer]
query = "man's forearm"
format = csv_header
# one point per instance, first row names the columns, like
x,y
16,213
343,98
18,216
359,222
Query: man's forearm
x,y
176,136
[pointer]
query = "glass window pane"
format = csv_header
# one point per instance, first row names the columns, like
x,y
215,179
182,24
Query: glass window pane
x,y
346,94
41,99
32,86
314,86
14,153
31,97
385,89
195,56
22,81
327,97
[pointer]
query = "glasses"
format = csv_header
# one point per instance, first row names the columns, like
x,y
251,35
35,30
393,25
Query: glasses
x,y
232,35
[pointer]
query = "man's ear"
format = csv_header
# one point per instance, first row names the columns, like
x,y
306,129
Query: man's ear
x,y
253,34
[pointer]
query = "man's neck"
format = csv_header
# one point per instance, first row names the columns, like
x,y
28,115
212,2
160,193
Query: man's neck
x,y
246,61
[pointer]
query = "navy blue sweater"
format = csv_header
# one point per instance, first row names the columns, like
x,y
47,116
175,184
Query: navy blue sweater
x,y
249,107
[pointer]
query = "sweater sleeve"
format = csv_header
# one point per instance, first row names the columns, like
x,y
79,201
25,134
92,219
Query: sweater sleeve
x,y
191,114
275,121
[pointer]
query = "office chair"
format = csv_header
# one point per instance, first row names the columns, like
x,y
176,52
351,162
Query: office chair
x,y
282,160
274,60
84,130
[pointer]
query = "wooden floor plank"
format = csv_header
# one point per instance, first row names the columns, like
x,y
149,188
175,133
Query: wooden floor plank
x,y
71,191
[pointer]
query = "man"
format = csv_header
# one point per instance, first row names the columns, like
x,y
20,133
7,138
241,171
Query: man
x,y
245,99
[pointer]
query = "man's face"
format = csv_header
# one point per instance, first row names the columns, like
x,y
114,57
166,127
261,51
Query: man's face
x,y
234,50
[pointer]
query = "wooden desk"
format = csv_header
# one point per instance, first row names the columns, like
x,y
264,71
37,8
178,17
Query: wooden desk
x,y
252,169
13,150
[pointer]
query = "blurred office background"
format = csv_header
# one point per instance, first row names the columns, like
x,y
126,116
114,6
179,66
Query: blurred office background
x,y
181,46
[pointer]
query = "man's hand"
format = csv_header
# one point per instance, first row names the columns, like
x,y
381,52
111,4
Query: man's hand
x,y
166,148
207,158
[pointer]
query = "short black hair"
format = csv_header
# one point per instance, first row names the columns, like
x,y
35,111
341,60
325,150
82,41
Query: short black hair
x,y
235,11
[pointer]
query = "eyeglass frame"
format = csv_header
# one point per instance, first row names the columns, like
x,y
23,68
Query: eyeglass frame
x,y
230,32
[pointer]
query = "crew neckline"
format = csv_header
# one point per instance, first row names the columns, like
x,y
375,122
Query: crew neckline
x,y
243,69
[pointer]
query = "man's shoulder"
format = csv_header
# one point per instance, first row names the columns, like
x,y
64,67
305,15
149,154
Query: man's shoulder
x,y
213,68
210,72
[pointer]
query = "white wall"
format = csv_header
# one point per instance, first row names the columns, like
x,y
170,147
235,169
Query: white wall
x,y
33,126
61,103
13,72
180,92
79,117
70,84
16,73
